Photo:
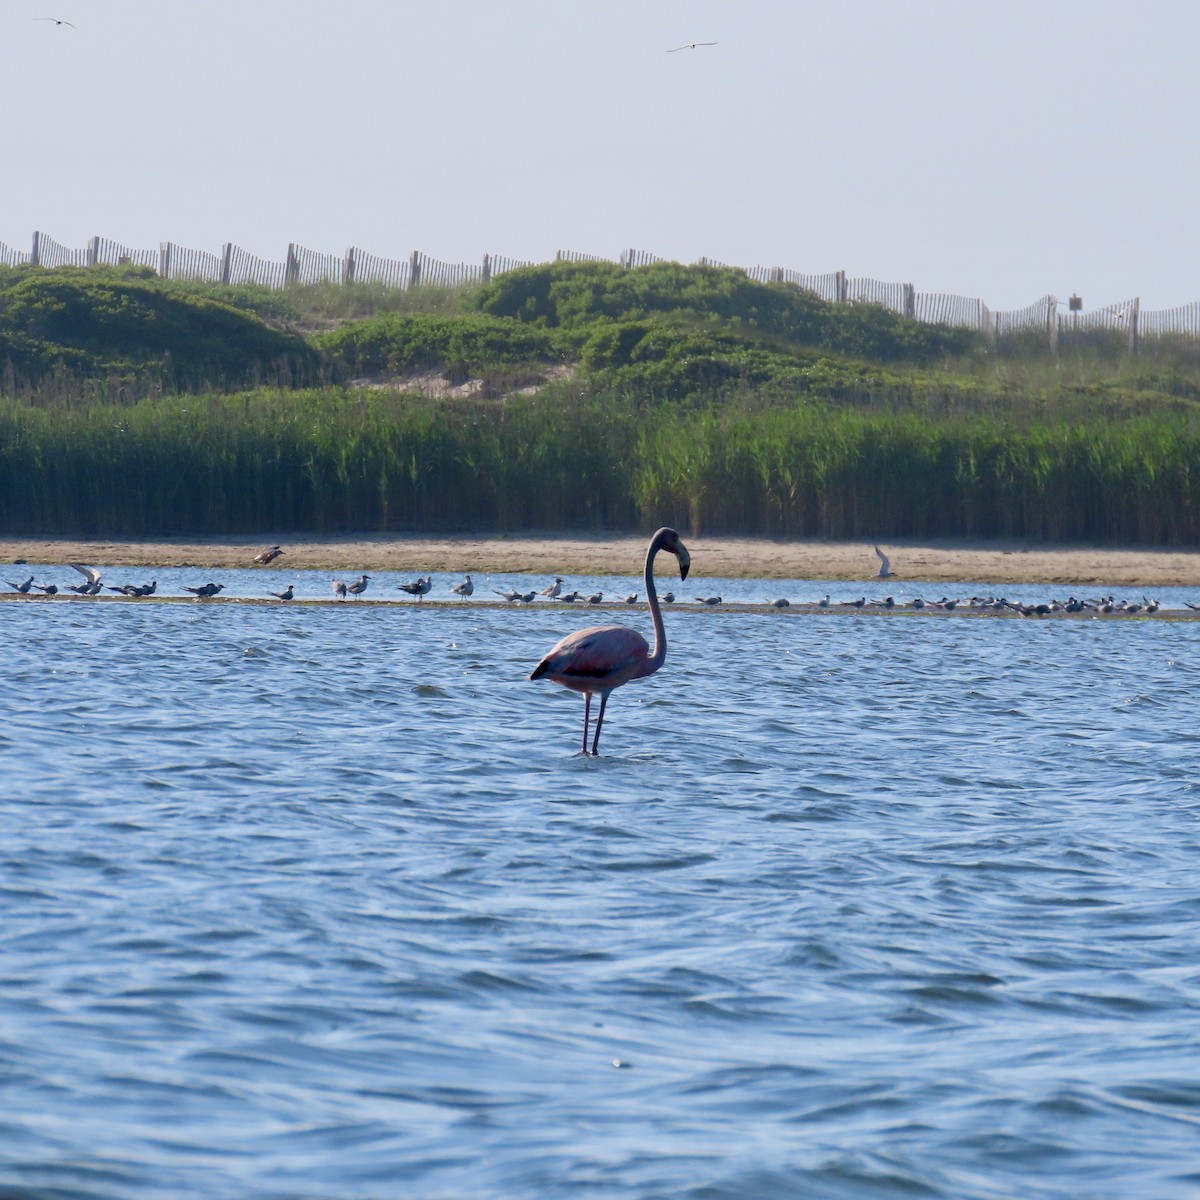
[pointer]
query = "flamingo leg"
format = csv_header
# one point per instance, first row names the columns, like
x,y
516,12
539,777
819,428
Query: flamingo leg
x,y
599,721
587,711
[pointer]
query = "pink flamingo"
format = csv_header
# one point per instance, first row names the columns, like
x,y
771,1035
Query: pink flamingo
x,y
606,656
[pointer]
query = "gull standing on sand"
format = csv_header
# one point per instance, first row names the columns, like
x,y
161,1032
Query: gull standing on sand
x,y
357,589
553,590
339,588
885,567
464,589
418,589
607,656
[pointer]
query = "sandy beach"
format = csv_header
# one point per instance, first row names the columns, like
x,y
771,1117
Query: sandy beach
x,y
621,554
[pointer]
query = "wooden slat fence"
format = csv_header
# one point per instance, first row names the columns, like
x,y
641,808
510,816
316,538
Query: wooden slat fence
x,y
10,257
110,253
303,266
630,259
178,262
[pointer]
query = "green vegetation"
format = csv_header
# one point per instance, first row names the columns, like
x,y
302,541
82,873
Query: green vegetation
x,y
602,398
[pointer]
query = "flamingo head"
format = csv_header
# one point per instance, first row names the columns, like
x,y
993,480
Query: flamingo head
x,y
669,540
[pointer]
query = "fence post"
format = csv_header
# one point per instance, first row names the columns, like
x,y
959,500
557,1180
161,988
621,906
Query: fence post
x,y
1052,323
291,271
164,260
487,269
1133,325
35,254
840,285
414,269
226,259
350,265
910,302
93,251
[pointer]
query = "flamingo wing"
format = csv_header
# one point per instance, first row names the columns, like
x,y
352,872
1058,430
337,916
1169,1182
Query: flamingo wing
x,y
596,659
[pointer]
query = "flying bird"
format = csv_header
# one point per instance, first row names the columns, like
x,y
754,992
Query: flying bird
x,y
689,46
605,657
885,566
269,555
56,20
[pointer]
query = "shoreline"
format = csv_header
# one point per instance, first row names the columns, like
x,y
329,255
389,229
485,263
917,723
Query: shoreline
x,y
915,561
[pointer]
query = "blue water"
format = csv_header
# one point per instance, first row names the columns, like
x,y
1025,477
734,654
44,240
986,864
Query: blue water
x,y
320,902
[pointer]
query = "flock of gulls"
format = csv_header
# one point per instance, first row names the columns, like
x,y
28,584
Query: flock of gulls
x,y
555,591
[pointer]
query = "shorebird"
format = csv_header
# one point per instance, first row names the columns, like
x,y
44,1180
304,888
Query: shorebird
x,y
418,589
570,599
148,589
689,46
23,588
269,555
885,567
51,589
464,589
553,590
708,599
631,599
780,603
824,601
339,588
668,597
596,598
288,594
527,597
509,595
205,590
89,573
357,589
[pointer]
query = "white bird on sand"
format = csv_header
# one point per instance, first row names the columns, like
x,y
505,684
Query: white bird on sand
x,y
464,589
553,590
885,566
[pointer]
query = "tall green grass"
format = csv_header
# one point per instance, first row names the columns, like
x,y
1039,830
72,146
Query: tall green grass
x,y
341,459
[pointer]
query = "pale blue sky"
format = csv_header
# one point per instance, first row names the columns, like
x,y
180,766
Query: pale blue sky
x,y
998,150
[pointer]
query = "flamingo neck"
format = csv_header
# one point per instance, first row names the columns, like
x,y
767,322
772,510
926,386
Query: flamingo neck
x,y
659,654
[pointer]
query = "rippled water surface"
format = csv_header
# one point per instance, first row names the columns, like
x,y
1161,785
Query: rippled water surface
x,y
320,902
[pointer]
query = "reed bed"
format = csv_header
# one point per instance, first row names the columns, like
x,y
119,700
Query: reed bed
x,y
331,460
